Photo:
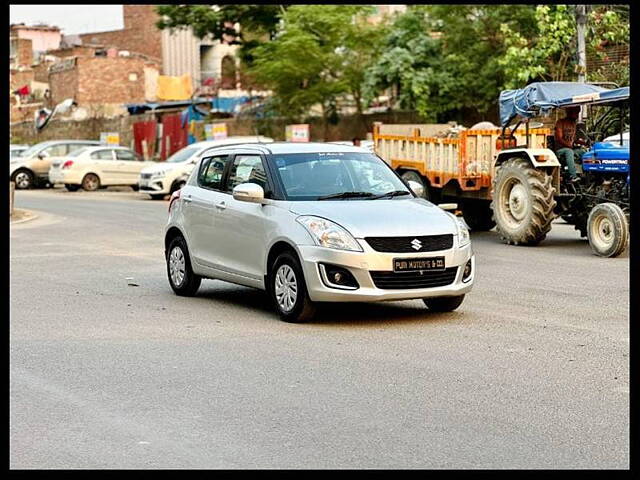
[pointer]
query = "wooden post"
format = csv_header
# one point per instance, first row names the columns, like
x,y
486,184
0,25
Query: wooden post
x,y
12,188
145,150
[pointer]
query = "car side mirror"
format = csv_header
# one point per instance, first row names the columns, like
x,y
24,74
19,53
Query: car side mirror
x,y
249,192
416,188
42,155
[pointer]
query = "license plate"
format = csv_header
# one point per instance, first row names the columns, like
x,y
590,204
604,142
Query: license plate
x,y
417,264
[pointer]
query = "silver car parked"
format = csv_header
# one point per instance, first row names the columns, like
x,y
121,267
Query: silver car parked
x,y
312,223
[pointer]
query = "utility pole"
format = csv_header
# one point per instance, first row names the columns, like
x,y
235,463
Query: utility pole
x,y
581,24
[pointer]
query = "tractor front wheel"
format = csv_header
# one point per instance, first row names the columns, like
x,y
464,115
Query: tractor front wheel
x,y
608,230
523,202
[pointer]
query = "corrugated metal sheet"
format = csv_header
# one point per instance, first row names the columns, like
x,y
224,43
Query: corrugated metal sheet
x,y
180,53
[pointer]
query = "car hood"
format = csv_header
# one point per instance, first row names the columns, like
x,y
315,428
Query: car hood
x,y
381,218
165,167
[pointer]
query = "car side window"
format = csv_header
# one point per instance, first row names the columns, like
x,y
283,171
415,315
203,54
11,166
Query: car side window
x,y
72,147
58,150
246,169
211,170
126,155
102,155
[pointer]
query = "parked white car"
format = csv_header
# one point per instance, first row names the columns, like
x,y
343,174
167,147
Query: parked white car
x,y
16,150
95,167
166,177
32,167
314,222
616,139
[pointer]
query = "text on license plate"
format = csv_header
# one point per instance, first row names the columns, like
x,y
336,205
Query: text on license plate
x,y
413,264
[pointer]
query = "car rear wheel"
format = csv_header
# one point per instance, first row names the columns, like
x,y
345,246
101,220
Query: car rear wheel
x,y
443,304
23,179
90,182
181,277
289,291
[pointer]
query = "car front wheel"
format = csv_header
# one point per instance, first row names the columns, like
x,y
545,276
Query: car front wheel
x,y
181,277
289,291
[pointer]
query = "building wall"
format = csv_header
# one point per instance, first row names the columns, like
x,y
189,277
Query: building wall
x,y
21,51
42,38
139,34
94,81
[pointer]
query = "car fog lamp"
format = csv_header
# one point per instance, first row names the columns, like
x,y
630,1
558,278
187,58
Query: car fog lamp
x,y
466,273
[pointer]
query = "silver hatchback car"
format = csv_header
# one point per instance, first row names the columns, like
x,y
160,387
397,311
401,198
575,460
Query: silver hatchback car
x,y
311,223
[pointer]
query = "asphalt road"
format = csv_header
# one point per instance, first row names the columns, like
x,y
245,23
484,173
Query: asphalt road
x,y
531,372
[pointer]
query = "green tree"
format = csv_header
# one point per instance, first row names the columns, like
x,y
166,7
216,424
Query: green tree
x,y
317,57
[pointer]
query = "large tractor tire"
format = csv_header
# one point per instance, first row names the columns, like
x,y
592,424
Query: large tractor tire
x,y
608,230
410,175
523,202
478,215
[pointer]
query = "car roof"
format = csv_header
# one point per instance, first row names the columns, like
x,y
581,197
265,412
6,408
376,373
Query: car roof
x,y
100,147
231,141
306,147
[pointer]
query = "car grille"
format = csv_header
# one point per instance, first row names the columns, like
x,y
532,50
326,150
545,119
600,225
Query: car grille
x,y
145,176
428,243
397,280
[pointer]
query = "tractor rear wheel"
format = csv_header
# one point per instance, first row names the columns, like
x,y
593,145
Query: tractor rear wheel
x,y
478,215
608,230
523,202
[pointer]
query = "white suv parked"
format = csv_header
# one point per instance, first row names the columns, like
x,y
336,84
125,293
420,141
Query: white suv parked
x,y
167,177
311,223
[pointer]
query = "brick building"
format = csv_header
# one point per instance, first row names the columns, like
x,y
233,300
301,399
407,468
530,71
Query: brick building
x,y
100,82
138,35
43,37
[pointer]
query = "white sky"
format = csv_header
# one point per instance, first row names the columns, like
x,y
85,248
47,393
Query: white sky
x,y
70,18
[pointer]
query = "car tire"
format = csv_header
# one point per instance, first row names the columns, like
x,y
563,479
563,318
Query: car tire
x,y
72,188
135,188
23,179
443,304
288,290
181,277
90,182
157,196
177,185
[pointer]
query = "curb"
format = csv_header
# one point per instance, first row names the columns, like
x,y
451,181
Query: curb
x,y
24,220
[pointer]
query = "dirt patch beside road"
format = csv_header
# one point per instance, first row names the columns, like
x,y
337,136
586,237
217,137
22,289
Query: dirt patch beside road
x,y
20,216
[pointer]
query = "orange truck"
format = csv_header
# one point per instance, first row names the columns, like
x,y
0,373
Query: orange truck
x,y
459,169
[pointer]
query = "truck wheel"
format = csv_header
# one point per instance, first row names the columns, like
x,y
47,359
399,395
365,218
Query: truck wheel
x,y
608,230
415,177
478,215
523,202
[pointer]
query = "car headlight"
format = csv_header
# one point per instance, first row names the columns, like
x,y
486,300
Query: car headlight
x,y
328,234
463,232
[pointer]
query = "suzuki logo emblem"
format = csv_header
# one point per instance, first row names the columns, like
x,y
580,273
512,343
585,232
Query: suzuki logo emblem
x,y
416,244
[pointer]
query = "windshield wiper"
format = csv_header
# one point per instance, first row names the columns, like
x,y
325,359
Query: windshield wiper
x,y
346,195
394,193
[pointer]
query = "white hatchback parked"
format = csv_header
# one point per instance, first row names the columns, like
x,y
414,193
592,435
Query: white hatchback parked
x,y
95,167
311,223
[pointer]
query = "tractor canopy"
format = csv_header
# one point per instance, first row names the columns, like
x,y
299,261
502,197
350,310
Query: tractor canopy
x,y
540,98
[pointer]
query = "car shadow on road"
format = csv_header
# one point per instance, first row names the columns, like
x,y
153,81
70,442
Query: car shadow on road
x,y
359,314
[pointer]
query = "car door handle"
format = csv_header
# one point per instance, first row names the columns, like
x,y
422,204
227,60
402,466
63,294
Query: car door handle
x,y
221,205
188,198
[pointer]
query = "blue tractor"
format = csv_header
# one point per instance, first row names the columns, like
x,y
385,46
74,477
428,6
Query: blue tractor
x,y
531,187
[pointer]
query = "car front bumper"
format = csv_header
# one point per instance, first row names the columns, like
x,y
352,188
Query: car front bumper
x,y
153,185
361,264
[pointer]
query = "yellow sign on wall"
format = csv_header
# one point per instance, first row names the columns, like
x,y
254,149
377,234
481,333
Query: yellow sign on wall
x,y
174,88
215,131
110,138
297,133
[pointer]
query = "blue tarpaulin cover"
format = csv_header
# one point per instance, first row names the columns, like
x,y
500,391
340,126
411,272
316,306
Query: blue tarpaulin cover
x,y
539,98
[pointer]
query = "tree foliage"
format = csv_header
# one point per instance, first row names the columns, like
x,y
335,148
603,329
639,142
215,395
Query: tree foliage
x,y
318,55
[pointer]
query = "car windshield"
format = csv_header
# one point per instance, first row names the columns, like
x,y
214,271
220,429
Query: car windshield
x,y
34,149
182,155
336,175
